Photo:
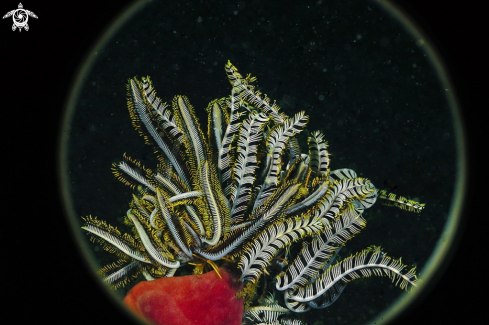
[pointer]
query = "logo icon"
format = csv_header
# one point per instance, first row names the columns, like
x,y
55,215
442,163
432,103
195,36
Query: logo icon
x,y
20,17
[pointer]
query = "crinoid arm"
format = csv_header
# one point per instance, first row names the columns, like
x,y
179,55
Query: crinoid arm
x,y
118,274
113,241
269,312
368,262
401,202
320,252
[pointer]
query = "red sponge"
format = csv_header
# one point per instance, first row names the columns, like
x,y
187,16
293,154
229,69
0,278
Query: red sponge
x,y
192,299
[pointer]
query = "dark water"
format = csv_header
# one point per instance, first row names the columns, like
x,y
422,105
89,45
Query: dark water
x,y
363,80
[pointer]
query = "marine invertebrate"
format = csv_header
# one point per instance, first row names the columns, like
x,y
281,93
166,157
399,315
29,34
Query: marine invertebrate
x,y
207,299
244,192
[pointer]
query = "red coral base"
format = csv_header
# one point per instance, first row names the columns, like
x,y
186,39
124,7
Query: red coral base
x,y
192,299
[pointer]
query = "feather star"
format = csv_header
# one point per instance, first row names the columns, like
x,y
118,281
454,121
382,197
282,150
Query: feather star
x,y
243,193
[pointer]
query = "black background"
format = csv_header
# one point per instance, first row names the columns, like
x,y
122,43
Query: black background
x,y
44,280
